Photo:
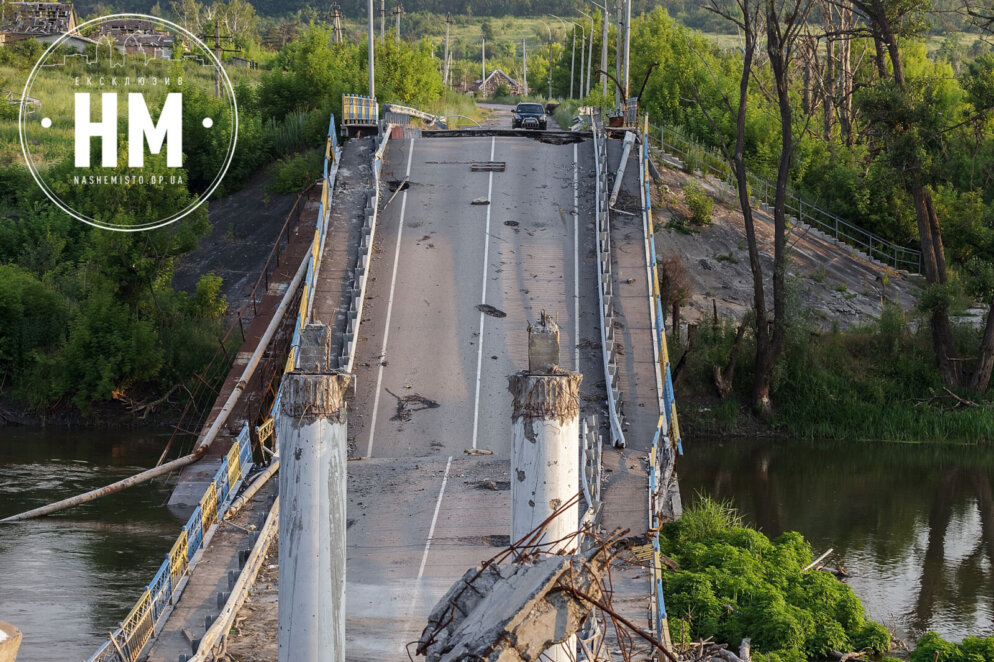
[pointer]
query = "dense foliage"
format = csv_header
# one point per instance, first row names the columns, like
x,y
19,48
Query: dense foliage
x,y
933,648
875,382
87,315
734,582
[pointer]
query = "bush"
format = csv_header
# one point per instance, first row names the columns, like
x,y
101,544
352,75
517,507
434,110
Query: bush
x,y
699,203
33,321
292,174
933,648
734,582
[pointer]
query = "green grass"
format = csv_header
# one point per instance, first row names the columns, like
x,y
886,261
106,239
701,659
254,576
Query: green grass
x,y
58,93
875,383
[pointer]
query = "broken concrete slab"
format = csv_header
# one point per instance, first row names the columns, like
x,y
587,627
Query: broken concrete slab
x,y
515,612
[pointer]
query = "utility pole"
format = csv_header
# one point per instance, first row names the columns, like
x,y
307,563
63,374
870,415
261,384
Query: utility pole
x,y
313,440
572,64
445,62
524,56
372,63
603,9
545,451
336,22
583,45
383,19
483,60
590,54
617,53
398,10
628,43
218,52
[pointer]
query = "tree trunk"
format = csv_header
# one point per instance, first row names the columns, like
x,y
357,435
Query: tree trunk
x,y
778,44
676,321
843,93
930,234
981,377
828,110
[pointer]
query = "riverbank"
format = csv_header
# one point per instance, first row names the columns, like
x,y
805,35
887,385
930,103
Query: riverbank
x,y
912,524
858,363
876,382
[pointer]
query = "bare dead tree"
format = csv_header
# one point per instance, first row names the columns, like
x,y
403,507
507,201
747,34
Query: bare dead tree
x,y
785,20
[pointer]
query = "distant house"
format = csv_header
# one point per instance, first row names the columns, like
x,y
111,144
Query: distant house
x,y
495,79
133,36
44,21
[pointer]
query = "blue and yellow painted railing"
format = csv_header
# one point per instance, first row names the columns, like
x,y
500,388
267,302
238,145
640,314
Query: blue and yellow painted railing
x,y
148,615
359,110
332,153
668,425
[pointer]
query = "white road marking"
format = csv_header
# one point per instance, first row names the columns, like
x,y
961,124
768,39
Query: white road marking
x,y
434,519
483,297
576,263
386,328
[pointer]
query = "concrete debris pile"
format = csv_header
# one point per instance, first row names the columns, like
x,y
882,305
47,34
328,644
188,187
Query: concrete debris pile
x,y
514,612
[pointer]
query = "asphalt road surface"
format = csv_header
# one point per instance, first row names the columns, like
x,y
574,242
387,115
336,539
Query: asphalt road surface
x,y
431,368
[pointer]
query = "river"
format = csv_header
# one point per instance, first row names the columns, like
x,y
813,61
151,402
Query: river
x,y
67,580
913,524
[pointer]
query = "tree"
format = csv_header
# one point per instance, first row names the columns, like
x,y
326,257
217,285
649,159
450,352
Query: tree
x,y
746,16
239,19
911,131
189,14
783,21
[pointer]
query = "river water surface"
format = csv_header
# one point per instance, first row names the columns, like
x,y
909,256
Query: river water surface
x,y
67,580
913,524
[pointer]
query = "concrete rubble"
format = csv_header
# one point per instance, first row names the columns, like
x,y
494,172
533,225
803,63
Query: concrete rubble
x,y
514,612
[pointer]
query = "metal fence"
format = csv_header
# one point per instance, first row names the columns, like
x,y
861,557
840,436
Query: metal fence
x,y
147,617
332,154
605,288
667,438
762,194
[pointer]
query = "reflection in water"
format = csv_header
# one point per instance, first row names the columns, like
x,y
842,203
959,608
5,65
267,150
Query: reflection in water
x,y
912,524
66,580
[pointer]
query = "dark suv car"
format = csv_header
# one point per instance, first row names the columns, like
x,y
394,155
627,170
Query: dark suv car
x,y
528,116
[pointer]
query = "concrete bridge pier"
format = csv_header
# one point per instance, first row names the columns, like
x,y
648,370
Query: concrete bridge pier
x,y
545,452
311,437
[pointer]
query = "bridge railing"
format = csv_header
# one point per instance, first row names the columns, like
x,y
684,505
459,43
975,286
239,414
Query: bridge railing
x,y
762,194
332,154
666,442
147,617
605,288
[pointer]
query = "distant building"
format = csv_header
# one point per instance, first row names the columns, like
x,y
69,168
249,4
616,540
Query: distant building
x,y
134,36
495,79
44,21
244,62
